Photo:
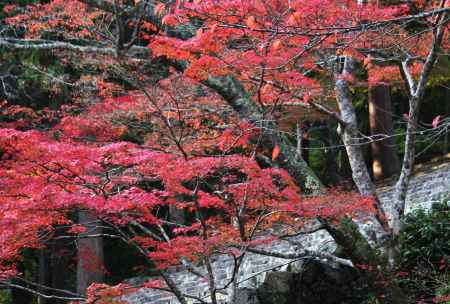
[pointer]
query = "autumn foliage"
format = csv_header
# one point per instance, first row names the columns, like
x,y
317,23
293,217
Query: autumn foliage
x,y
44,177
131,156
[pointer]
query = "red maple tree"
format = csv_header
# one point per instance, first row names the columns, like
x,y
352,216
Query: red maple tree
x,y
205,138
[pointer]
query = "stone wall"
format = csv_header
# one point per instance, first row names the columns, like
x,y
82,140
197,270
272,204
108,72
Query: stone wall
x,y
431,183
252,272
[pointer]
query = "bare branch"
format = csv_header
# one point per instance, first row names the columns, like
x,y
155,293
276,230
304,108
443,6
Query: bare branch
x,y
46,296
38,44
304,255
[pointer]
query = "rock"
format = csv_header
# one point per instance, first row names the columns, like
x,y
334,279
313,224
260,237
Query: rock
x,y
316,283
321,283
281,281
277,288
246,296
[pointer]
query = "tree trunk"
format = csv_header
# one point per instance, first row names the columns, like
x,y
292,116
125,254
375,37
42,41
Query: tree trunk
x,y
402,184
356,246
90,252
385,161
44,277
416,94
369,262
447,114
20,295
350,136
234,93
53,263
59,272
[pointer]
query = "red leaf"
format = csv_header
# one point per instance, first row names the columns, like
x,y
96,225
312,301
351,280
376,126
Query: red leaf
x,y
306,98
159,8
275,152
251,22
277,44
170,20
436,121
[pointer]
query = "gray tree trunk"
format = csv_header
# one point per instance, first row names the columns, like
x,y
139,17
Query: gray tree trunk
x,y
90,252
52,271
235,95
59,263
44,277
416,91
351,138
447,137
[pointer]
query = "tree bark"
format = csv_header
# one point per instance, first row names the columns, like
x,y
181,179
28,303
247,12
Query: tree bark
x,y
20,295
416,91
385,161
44,277
235,95
350,136
355,245
59,263
447,137
90,252
368,261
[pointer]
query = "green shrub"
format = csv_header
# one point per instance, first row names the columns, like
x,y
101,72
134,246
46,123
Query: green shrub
x,y
425,254
426,237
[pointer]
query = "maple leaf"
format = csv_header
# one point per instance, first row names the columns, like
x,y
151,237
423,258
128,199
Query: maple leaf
x,y
436,121
170,20
277,44
159,8
271,47
275,152
251,22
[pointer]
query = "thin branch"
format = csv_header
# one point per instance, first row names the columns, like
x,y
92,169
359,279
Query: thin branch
x,y
303,254
12,285
38,44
